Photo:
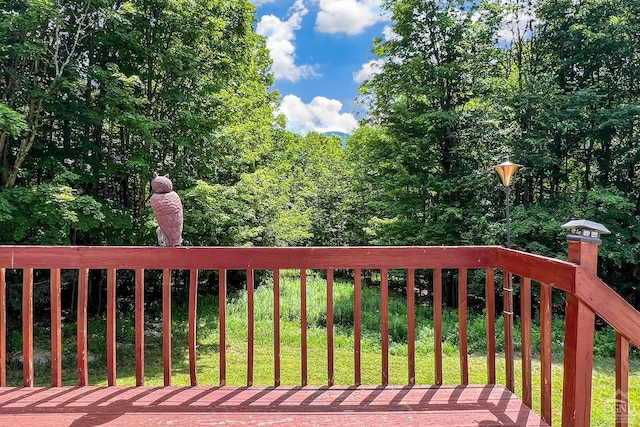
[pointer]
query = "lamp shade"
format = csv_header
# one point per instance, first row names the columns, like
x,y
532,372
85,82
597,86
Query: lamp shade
x,y
506,170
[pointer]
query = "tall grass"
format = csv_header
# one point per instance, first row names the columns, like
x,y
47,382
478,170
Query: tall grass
x,y
236,345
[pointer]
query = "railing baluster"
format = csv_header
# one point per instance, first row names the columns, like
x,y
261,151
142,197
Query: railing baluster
x,y
525,323
490,298
166,325
463,326
303,326
3,328
276,328
222,314
357,326
111,326
250,327
56,329
507,294
81,339
437,323
622,381
27,327
139,322
193,314
545,352
384,314
330,357
411,324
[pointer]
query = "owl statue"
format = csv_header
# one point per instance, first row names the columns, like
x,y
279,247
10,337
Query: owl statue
x,y
167,208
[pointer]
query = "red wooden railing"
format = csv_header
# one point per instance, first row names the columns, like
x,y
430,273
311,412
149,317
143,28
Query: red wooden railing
x,y
586,296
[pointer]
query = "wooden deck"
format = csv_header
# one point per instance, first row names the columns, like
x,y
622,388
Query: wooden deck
x,y
481,405
41,267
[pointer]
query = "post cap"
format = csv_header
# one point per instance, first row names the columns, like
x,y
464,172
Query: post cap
x,y
585,231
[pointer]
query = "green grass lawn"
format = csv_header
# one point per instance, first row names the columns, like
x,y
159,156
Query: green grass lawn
x,y
236,349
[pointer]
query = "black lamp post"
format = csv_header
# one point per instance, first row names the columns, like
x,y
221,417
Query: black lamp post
x,y
506,170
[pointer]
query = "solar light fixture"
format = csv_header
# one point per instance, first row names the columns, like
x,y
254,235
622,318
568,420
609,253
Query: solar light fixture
x,y
506,171
585,231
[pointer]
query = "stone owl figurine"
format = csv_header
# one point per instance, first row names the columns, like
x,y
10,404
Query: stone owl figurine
x,y
167,208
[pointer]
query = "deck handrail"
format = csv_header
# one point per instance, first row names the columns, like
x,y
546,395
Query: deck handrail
x,y
609,305
587,296
240,258
592,297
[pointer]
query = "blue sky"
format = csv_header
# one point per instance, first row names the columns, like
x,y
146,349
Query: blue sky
x,y
321,51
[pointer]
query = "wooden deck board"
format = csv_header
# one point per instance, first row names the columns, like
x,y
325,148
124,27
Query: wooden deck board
x,y
482,405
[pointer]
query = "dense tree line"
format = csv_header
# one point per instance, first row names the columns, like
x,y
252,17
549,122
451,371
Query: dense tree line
x,y
96,95
552,84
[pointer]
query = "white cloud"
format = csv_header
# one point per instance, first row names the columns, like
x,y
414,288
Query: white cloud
x,y
516,27
348,16
320,115
280,36
518,23
389,34
368,70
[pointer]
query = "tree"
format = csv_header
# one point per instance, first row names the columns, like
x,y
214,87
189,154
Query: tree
x,y
298,198
41,50
174,97
576,107
425,100
111,91
49,214
571,105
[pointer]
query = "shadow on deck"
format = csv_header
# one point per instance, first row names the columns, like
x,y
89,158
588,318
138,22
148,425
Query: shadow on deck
x,y
474,405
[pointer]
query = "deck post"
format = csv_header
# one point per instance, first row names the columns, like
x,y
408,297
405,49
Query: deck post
x,y
583,242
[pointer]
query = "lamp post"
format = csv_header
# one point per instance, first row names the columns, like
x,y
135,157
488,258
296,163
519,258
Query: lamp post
x,y
506,170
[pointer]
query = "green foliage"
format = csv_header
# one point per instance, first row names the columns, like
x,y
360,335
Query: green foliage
x,y
558,95
95,96
49,214
11,122
420,157
537,229
298,200
242,215
136,90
